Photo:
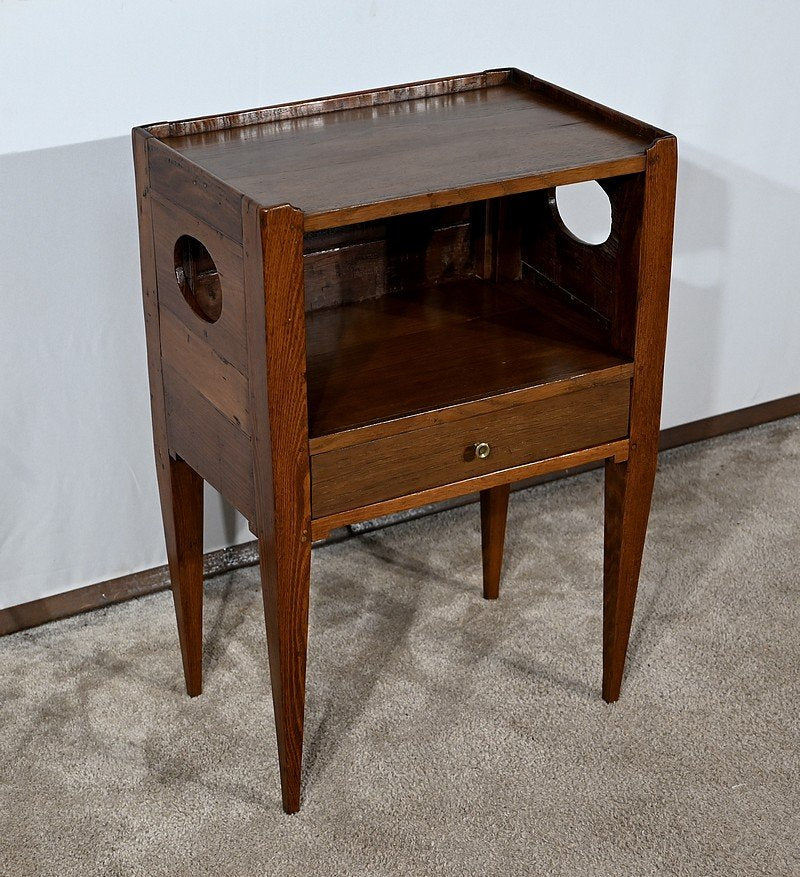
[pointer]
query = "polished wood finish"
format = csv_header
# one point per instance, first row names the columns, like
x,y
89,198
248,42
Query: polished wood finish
x,y
629,485
370,259
211,443
302,109
214,203
185,556
458,341
227,336
322,527
186,352
345,298
423,458
277,357
180,489
486,405
372,166
494,510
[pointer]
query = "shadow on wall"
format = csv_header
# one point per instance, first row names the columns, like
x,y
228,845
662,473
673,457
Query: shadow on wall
x,y
734,306
80,503
699,259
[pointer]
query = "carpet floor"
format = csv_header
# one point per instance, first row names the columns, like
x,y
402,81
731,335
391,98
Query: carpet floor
x,y
444,734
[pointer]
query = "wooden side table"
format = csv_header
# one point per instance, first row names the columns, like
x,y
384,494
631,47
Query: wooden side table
x,y
369,302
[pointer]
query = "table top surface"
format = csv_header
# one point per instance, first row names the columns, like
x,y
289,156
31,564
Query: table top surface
x,y
412,147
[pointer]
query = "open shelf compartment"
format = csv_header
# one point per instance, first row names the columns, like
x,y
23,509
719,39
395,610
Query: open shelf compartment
x,y
438,346
411,319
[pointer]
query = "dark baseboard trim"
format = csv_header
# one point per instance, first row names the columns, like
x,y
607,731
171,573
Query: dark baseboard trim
x,y
733,421
37,612
112,591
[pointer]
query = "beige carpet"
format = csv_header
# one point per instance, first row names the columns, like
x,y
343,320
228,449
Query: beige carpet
x,y
444,734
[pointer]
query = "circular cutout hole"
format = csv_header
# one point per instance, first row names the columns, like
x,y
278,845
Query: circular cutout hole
x,y
585,210
198,278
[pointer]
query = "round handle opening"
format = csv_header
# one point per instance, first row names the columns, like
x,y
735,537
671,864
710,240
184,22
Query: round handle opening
x,y
198,278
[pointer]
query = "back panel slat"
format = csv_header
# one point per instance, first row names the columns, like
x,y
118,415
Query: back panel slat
x,y
372,259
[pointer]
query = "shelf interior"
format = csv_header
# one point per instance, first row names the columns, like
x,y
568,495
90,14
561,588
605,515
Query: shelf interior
x,y
436,345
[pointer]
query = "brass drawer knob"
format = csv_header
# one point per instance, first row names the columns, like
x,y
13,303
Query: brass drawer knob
x,y
482,450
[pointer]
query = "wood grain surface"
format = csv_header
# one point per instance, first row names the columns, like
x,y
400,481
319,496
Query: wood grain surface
x,y
398,355
362,159
386,283
618,451
494,510
273,242
629,485
389,467
179,487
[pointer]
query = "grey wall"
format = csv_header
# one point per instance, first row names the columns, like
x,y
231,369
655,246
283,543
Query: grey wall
x,y
78,501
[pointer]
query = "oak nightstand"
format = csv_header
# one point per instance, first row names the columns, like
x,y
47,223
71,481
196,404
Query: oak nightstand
x,y
369,302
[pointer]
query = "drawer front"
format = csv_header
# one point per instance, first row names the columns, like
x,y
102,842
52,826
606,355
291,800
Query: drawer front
x,y
397,465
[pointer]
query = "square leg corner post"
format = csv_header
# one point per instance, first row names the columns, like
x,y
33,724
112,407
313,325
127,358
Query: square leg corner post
x,y
273,240
629,485
181,490
494,511
180,487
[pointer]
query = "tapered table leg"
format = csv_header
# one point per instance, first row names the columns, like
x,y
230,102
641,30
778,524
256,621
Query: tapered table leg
x,y
182,506
629,488
285,578
494,510
180,487
278,394
629,484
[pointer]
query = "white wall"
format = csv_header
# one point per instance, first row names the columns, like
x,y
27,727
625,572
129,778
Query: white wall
x,y
78,500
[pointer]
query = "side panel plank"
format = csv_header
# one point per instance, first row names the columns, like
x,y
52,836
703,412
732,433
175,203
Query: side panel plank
x,y
211,443
227,335
189,354
183,182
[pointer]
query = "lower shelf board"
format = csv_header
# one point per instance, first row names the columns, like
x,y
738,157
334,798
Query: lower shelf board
x,y
616,450
458,341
